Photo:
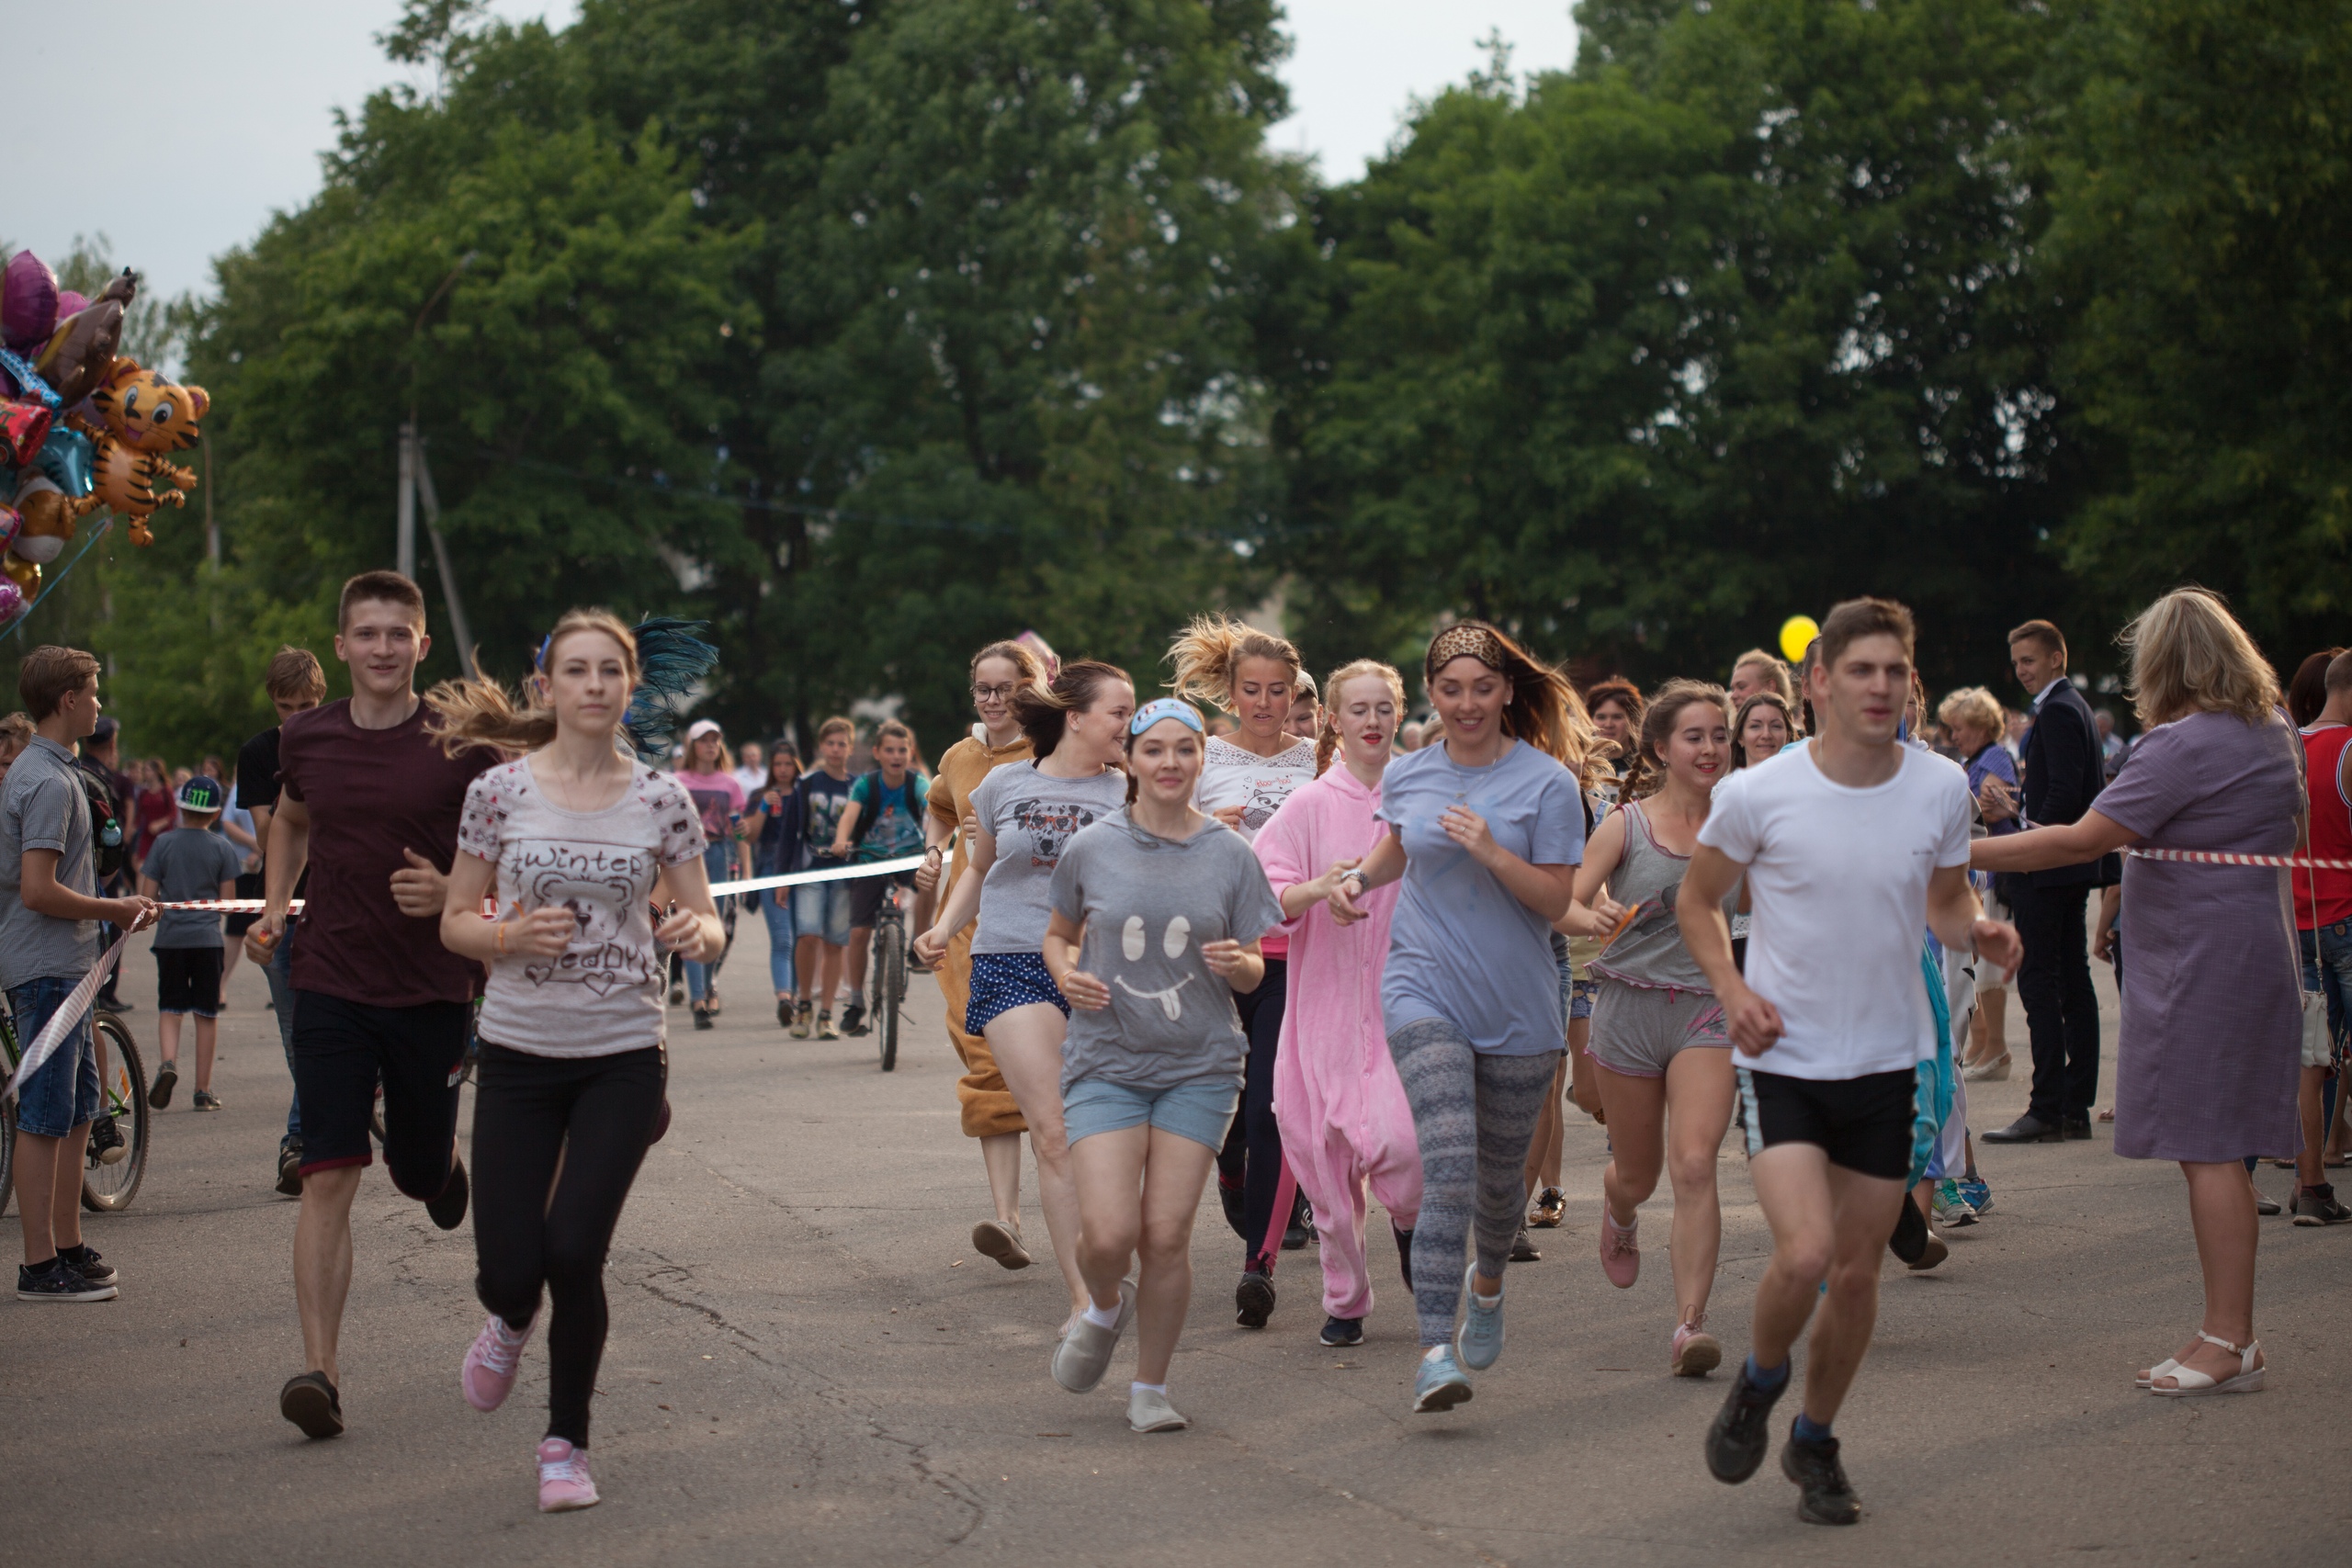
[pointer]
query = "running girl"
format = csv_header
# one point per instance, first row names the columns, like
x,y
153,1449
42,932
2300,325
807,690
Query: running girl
x,y
1221,663
1657,1031
1157,915
999,672
1344,1118
1485,830
580,839
1023,816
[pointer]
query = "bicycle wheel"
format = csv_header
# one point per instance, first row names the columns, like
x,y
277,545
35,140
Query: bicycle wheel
x,y
123,1094
889,987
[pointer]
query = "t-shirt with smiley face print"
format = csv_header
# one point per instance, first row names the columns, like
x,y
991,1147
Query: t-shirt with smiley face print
x,y
603,994
1148,904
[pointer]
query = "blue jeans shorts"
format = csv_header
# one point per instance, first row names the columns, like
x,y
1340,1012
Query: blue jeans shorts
x,y
1201,1111
63,1093
2327,969
821,910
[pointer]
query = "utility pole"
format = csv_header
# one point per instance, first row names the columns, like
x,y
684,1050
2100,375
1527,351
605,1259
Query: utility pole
x,y
421,480
406,564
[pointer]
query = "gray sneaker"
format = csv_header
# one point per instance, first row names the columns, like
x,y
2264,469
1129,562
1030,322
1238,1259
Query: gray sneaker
x,y
1148,1411
1479,1340
1081,1361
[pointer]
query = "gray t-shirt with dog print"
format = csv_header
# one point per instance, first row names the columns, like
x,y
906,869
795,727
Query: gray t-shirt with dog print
x,y
1033,816
1147,904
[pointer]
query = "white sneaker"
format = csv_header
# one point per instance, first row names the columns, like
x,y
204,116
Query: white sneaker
x,y
1148,1411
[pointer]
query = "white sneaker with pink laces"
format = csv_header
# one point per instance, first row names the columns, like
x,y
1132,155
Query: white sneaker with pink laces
x,y
563,1478
488,1376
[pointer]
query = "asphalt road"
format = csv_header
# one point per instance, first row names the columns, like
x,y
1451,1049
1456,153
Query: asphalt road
x,y
807,1363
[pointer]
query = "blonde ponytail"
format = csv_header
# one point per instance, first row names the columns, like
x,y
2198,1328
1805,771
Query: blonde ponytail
x,y
1206,653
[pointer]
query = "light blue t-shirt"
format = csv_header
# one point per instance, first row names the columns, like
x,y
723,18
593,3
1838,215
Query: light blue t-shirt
x,y
1461,948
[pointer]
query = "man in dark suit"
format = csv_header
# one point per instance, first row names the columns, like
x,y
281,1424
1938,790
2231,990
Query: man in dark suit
x,y
2064,772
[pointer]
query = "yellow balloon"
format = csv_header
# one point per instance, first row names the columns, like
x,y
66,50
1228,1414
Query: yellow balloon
x,y
1796,635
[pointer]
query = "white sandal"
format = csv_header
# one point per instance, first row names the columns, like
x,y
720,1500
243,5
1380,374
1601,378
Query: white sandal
x,y
2163,1368
2189,1383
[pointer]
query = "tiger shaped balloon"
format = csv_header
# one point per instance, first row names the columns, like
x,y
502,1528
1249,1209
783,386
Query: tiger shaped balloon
x,y
147,414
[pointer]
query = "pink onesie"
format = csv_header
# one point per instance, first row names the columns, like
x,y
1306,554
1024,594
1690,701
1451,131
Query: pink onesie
x,y
1337,1098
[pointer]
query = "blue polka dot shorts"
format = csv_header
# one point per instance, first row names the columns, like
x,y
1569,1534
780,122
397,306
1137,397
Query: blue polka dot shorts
x,y
1002,981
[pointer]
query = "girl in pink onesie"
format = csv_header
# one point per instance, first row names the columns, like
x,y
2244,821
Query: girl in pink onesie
x,y
1342,1109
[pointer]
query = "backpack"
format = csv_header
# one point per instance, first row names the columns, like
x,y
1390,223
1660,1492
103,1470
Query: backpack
x,y
875,786
109,854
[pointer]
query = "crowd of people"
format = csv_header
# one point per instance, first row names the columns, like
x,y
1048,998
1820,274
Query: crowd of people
x,y
1260,931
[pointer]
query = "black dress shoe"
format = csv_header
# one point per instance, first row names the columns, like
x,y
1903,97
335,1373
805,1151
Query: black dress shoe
x,y
2078,1127
2027,1129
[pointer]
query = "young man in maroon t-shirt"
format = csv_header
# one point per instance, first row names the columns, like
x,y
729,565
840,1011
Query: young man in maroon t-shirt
x,y
369,805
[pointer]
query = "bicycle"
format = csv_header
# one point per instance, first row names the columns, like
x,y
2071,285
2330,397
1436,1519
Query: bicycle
x,y
122,1095
887,972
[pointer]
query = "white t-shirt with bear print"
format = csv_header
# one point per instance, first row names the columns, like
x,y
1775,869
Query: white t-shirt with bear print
x,y
603,994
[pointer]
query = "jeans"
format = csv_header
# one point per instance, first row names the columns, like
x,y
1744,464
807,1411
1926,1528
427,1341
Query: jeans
x,y
2327,969
62,1092
717,860
776,904
280,973
2061,1008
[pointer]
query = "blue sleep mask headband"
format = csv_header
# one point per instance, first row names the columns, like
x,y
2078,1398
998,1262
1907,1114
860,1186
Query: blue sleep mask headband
x,y
1152,712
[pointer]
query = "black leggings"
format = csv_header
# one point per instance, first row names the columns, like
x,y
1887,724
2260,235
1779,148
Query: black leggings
x,y
593,1116
1252,1157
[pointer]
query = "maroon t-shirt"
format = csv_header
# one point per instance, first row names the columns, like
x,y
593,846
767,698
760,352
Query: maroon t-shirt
x,y
372,794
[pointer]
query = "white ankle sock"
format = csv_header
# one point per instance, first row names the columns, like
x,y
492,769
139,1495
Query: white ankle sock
x,y
1101,1317
1158,1388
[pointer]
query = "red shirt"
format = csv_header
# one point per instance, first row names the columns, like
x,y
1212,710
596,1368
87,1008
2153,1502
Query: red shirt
x,y
372,794
2331,826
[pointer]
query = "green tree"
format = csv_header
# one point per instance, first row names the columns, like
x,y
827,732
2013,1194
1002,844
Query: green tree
x,y
2204,215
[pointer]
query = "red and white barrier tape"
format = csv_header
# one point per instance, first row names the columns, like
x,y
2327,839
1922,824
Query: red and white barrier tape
x,y
717,890
2222,857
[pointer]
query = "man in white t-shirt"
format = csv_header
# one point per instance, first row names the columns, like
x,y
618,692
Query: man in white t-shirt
x,y
1851,843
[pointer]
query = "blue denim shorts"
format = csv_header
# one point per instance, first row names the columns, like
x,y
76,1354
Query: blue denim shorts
x,y
821,910
63,1093
1201,1111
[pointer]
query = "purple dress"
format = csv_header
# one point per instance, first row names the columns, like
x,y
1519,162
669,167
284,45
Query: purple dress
x,y
2207,1063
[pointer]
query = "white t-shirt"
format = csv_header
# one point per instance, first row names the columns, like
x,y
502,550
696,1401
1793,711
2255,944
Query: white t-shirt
x,y
603,996
1231,776
1837,883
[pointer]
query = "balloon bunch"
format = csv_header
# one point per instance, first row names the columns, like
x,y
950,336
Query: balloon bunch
x,y
81,426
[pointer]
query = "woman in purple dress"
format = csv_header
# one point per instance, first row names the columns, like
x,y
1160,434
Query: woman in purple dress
x,y
2211,1039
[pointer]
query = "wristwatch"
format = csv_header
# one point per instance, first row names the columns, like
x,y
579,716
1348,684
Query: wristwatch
x,y
1357,877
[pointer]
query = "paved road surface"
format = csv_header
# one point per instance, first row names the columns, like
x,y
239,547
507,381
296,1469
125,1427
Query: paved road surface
x,y
808,1364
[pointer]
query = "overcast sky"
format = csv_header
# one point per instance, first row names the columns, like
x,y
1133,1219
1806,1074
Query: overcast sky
x,y
240,95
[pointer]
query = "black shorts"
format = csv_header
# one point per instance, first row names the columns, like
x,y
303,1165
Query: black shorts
x,y
1863,1125
343,1049
249,885
865,896
187,979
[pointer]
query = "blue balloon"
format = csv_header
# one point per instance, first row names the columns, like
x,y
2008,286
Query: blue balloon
x,y
68,460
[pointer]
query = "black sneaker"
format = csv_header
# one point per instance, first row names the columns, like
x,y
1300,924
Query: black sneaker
x,y
1909,1241
1740,1434
107,1001
1228,1196
703,1018
106,1147
85,1261
2317,1206
784,1012
289,1170
1301,1229
1824,1497
204,1101
1404,1254
312,1404
159,1094
1253,1300
448,1210
56,1280
854,1019
1341,1332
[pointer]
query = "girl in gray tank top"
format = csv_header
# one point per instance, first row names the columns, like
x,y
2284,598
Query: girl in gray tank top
x,y
1657,1030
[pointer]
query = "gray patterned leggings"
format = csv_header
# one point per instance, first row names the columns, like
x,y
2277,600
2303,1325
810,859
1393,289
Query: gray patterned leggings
x,y
1473,1115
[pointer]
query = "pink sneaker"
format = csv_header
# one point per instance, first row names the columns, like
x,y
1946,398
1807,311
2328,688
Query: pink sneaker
x,y
1621,1253
1696,1352
488,1376
563,1478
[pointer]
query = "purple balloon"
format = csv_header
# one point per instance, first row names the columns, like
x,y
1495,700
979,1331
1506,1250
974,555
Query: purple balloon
x,y
28,311
12,600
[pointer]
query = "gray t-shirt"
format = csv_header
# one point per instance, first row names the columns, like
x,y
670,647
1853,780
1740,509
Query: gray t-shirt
x,y
188,863
42,807
1147,904
1033,816
1460,947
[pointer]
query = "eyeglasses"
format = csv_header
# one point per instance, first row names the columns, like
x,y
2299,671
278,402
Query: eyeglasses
x,y
995,694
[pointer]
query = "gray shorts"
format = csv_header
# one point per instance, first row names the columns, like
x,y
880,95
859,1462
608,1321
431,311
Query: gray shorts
x,y
1637,1031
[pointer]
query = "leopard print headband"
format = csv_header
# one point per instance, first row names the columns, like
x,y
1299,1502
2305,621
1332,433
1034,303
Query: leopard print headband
x,y
1465,641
